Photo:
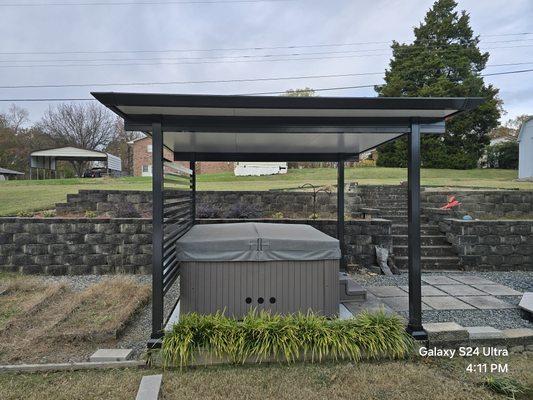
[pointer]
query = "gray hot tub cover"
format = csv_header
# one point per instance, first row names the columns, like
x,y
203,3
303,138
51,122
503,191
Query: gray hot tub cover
x,y
251,241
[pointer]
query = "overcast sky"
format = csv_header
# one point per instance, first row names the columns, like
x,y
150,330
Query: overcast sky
x,y
233,25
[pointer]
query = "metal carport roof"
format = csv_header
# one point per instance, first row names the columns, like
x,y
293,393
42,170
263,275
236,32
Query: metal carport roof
x,y
216,127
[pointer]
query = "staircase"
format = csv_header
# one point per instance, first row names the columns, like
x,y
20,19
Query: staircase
x,y
436,252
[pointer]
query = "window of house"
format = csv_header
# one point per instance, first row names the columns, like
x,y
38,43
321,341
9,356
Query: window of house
x,y
145,168
149,148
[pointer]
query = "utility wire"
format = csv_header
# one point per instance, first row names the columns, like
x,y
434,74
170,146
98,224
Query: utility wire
x,y
226,61
247,80
254,48
139,3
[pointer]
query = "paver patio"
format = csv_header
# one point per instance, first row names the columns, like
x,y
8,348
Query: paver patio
x,y
448,292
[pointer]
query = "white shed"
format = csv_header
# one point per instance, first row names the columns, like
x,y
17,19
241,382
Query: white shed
x,y
525,157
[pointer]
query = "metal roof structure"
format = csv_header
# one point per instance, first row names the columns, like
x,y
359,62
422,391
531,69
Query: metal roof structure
x,y
253,128
5,171
46,159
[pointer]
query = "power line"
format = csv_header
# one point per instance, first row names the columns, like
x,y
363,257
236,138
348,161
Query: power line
x,y
240,80
222,57
228,61
254,48
139,3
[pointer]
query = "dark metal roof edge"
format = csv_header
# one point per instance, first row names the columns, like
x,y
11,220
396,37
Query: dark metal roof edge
x,y
114,99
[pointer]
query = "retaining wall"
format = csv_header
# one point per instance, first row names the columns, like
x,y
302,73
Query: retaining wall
x,y
61,246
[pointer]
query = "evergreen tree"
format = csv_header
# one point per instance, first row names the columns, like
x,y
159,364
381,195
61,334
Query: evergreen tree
x,y
443,61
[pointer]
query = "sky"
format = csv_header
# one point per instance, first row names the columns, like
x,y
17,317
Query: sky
x,y
235,40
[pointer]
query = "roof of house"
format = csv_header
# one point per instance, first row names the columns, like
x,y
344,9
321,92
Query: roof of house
x,y
526,124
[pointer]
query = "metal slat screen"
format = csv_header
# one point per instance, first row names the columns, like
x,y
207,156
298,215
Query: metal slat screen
x,y
178,215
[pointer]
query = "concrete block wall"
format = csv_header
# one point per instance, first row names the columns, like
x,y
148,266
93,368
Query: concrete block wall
x,y
59,246
492,245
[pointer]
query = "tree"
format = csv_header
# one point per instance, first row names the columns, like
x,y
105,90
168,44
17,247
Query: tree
x,y
510,129
444,60
503,155
119,145
87,126
304,92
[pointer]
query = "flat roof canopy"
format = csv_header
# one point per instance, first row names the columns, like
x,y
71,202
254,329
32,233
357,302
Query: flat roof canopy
x,y
71,153
216,127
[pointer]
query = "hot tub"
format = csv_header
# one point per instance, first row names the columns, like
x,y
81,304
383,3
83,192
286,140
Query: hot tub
x,y
282,268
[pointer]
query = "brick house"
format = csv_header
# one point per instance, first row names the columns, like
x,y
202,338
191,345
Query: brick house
x,y
142,160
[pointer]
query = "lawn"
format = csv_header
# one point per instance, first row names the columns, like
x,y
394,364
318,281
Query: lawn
x,y
409,380
18,196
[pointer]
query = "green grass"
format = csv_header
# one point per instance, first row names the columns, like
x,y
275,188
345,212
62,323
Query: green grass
x,y
18,196
390,380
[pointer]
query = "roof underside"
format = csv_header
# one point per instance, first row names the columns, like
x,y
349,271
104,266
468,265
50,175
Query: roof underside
x,y
5,171
245,127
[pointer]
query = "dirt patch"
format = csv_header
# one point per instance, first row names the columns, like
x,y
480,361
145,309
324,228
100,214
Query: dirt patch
x,y
58,324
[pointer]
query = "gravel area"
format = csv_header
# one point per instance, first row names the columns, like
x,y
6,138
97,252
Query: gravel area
x,y
500,319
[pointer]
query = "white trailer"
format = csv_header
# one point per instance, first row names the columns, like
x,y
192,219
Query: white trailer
x,y
260,168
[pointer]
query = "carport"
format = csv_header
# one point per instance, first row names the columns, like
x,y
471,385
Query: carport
x,y
250,128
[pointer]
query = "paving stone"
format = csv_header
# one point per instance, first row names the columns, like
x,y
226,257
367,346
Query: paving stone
x,y
471,280
149,388
439,331
518,333
446,303
401,303
484,332
110,355
460,290
526,303
498,290
438,280
387,291
486,302
427,290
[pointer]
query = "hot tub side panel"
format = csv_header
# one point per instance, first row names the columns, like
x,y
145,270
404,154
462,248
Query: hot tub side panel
x,y
284,286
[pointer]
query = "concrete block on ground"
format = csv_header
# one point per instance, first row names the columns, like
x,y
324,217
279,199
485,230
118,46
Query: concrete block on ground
x,y
149,388
444,331
446,303
471,280
101,355
427,290
518,333
401,303
486,302
460,290
484,332
438,280
387,291
526,305
498,290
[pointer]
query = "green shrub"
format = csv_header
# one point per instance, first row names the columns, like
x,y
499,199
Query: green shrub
x,y
23,213
90,214
260,336
49,213
278,215
503,155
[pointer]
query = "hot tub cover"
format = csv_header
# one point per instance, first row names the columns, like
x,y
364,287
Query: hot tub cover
x,y
252,241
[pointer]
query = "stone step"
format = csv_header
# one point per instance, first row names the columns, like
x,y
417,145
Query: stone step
x,y
431,263
427,251
401,229
401,219
425,240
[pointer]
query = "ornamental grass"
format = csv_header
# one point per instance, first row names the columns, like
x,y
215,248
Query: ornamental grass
x,y
263,337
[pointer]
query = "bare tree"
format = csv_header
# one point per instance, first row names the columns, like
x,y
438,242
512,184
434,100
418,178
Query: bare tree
x,y
87,126
15,118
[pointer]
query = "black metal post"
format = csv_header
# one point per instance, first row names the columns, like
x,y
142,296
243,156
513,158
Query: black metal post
x,y
193,190
157,235
414,326
340,211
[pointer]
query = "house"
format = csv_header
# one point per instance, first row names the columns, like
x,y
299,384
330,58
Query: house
x,y
525,152
142,160
6,174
